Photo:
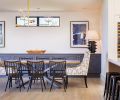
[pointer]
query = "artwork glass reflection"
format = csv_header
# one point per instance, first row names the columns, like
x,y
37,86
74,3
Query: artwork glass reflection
x,y
78,33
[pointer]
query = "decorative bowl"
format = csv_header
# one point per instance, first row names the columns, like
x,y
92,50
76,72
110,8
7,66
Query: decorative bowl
x,y
36,51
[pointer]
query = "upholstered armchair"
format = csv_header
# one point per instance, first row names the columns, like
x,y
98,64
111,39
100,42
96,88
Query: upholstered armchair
x,y
80,69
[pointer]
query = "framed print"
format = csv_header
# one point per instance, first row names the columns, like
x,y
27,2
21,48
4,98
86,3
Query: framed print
x,y
2,34
78,31
38,21
49,21
25,22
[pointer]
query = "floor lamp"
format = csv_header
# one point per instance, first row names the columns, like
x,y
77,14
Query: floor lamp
x,y
92,36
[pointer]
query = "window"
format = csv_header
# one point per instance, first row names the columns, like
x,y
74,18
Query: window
x,y
42,21
24,21
49,21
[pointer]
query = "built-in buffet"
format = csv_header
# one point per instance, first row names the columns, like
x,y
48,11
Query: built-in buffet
x,y
94,65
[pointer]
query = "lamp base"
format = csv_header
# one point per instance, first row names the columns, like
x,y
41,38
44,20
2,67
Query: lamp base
x,y
92,46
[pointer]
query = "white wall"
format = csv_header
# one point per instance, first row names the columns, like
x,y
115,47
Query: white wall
x,y
112,29
52,39
104,38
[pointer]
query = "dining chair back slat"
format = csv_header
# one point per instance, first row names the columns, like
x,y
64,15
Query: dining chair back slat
x,y
35,67
57,68
24,68
11,67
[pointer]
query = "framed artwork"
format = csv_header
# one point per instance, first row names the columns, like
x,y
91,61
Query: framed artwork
x,y
25,22
49,21
78,31
2,34
38,21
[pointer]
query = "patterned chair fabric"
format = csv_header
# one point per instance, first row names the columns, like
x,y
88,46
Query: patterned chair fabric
x,y
2,71
80,69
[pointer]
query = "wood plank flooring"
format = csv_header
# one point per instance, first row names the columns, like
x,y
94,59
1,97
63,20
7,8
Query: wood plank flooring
x,y
76,91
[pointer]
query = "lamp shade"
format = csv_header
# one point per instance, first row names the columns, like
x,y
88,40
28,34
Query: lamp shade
x,y
92,35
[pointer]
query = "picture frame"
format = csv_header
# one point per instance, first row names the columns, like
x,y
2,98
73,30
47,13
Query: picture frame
x,y
23,22
38,21
2,34
78,31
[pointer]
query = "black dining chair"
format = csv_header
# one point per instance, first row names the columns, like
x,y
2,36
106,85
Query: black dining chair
x,y
113,87
23,61
58,72
12,69
36,72
46,64
110,76
118,91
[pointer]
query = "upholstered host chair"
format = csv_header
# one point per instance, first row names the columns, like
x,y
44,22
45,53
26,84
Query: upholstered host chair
x,y
80,69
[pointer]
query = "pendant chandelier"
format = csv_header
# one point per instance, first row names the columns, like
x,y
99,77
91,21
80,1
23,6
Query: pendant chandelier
x,y
25,15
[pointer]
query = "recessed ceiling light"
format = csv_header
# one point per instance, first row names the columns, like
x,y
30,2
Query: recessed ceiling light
x,y
20,10
38,8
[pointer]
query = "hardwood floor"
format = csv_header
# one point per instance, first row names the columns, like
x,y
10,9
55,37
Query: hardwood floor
x,y
76,91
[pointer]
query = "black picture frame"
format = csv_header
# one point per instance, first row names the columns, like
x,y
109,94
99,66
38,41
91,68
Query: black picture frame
x,y
39,21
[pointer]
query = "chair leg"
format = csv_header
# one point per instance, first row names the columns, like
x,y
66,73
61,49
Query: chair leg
x,y
41,84
10,79
85,78
7,84
118,90
22,82
108,86
52,84
19,84
64,84
109,90
66,81
11,82
113,89
30,83
105,85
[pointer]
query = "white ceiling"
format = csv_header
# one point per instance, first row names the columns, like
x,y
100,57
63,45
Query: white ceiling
x,y
50,5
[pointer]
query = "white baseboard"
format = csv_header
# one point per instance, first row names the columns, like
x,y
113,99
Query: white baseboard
x,y
102,77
